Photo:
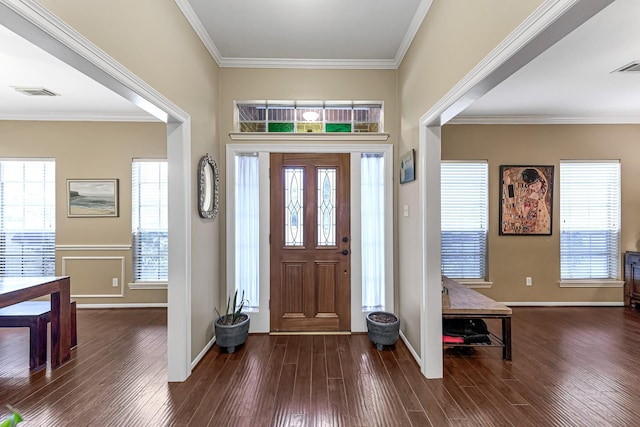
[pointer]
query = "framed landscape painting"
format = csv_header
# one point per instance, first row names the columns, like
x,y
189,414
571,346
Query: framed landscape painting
x,y
526,197
92,197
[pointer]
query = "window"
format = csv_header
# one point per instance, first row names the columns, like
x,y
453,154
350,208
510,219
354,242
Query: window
x,y
589,219
372,236
149,221
464,187
27,218
309,116
247,217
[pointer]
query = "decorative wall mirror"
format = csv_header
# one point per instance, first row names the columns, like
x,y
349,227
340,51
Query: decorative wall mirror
x,y
208,187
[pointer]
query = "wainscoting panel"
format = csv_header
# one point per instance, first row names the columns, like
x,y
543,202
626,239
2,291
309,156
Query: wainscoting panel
x,y
95,276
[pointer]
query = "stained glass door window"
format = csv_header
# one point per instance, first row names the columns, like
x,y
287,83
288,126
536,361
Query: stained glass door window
x,y
326,207
294,206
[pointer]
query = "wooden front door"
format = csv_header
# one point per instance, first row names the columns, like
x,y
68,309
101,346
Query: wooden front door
x,y
310,242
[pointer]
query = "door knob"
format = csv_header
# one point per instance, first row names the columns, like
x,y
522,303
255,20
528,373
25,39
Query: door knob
x,y
345,252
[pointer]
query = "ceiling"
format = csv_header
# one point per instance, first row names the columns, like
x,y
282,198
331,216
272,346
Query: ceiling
x,y
304,33
570,82
574,81
81,98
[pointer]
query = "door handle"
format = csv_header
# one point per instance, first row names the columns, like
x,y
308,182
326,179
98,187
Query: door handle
x,y
345,252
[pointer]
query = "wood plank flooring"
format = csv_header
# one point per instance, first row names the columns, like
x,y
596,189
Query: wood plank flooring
x,y
571,367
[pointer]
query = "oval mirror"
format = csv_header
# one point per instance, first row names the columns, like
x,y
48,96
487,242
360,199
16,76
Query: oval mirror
x,y
208,187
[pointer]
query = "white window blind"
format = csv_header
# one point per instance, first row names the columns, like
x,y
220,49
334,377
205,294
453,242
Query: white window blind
x,y
464,188
247,199
589,219
149,221
372,223
27,218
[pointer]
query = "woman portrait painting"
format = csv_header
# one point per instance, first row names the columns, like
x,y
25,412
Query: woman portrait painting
x,y
526,197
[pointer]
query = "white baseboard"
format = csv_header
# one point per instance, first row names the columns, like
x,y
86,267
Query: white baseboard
x,y
203,352
565,304
411,350
126,305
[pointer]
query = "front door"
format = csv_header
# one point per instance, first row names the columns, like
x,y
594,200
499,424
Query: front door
x,y
310,242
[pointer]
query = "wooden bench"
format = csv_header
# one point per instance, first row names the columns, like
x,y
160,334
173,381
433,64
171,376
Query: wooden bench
x,y
35,315
465,303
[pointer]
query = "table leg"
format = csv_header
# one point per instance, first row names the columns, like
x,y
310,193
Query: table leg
x,y
506,338
61,324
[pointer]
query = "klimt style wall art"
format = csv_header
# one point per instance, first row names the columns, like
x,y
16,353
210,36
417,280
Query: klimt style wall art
x,y
526,197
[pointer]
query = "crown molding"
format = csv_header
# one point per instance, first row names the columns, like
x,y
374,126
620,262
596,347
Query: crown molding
x,y
414,26
543,120
80,117
327,64
197,26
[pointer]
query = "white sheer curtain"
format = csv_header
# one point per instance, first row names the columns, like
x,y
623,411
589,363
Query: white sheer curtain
x,y
372,195
247,228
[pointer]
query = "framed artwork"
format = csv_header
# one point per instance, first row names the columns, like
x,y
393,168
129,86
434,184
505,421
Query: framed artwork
x,y
407,171
92,197
526,198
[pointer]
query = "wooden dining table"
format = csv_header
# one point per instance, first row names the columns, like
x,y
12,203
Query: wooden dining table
x,y
18,289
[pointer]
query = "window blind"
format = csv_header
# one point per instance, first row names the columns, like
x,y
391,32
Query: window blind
x,y
149,221
589,220
464,188
27,218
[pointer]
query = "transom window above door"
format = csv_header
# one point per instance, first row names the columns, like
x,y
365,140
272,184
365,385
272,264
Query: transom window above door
x,y
309,116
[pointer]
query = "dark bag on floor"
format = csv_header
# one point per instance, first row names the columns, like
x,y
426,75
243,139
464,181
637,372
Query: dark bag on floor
x,y
471,330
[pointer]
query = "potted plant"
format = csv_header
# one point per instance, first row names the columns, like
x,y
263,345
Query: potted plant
x,y
383,328
232,328
12,420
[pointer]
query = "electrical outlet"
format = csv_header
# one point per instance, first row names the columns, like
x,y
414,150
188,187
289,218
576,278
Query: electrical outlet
x,y
114,282
528,281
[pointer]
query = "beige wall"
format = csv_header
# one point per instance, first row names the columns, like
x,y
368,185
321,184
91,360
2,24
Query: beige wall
x,y
512,258
454,37
153,39
91,150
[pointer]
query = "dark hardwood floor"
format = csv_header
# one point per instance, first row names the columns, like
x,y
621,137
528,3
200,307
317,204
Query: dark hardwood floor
x,y
571,367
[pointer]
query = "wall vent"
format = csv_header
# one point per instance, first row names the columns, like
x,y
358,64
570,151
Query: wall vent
x,y
35,91
629,68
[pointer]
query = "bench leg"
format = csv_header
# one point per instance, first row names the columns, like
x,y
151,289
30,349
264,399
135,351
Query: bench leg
x,y
38,343
74,326
506,338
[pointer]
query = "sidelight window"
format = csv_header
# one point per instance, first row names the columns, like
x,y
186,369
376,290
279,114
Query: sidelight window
x,y
373,231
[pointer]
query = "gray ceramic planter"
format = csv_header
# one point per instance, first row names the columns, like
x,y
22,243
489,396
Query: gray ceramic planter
x,y
231,336
383,333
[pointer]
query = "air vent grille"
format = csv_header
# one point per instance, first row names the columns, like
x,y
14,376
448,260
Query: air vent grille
x,y
633,67
35,91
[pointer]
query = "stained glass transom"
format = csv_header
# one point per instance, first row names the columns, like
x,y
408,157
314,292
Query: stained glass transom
x,y
326,207
293,207
309,116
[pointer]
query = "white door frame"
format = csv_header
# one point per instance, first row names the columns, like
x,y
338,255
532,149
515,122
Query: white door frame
x,y
260,319
36,24
549,23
